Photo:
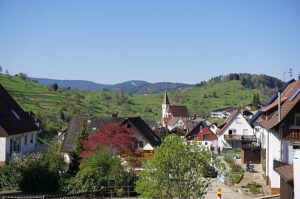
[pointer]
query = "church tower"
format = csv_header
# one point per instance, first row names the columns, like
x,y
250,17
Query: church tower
x,y
165,105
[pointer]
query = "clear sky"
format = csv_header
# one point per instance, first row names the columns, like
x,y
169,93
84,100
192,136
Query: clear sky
x,y
154,40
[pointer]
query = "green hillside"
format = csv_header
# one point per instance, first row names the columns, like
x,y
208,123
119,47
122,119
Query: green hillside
x,y
55,108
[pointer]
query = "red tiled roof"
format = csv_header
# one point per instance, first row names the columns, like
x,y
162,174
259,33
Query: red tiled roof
x,y
227,121
178,111
286,106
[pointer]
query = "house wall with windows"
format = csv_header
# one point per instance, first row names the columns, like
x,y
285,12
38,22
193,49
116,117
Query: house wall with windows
x,y
238,127
17,144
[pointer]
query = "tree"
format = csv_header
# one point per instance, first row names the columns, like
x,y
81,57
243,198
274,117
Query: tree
x,y
176,170
54,86
82,135
1,69
23,76
117,137
100,168
256,101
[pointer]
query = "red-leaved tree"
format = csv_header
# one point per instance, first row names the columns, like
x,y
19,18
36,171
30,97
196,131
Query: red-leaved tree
x,y
115,136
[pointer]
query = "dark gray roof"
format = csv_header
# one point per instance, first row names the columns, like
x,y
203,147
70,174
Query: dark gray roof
x,y
13,119
145,130
69,141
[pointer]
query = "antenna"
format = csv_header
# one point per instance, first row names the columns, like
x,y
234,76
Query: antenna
x,y
284,76
291,73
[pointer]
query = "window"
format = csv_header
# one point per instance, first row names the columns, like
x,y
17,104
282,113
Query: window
x,y
15,114
140,144
297,119
201,128
205,137
245,131
31,138
232,131
25,139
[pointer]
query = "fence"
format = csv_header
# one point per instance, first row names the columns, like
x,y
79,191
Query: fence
x,y
104,192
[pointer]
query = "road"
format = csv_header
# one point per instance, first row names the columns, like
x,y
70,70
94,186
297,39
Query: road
x,y
227,193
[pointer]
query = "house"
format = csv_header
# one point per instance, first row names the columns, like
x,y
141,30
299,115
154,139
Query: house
x,y
173,115
18,132
146,138
278,125
234,131
203,134
222,113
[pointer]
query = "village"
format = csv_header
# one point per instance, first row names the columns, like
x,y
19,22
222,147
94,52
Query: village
x,y
253,153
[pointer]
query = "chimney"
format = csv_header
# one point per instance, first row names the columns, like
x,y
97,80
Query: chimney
x,y
279,105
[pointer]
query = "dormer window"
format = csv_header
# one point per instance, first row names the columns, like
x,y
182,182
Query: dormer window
x,y
15,114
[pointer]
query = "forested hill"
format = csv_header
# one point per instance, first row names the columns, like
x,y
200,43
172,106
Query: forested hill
x,y
55,106
252,81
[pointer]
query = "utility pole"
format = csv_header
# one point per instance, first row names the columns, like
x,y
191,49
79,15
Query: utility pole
x,y
291,73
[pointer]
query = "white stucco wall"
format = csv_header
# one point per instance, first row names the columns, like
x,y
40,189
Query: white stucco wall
x,y
241,126
24,148
274,152
297,174
2,149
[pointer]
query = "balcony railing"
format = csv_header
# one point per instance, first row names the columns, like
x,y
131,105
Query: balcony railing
x,y
278,163
292,135
246,138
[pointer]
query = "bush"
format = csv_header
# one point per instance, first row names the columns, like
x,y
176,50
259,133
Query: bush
x,y
254,187
236,177
10,176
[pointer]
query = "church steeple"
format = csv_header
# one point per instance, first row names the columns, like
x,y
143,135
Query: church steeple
x,y
165,105
166,99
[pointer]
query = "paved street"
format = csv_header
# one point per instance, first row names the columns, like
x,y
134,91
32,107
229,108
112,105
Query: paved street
x,y
227,193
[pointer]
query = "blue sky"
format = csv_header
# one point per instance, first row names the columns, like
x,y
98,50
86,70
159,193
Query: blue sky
x,y
159,40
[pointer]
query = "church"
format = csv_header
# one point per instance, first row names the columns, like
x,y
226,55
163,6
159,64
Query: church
x,y
173,116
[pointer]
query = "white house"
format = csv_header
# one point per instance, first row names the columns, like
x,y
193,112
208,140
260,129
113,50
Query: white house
x,y
146,139
277,124
18,131
233,131
222,113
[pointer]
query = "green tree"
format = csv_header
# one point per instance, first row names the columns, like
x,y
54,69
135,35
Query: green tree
x,y
55,86
82,135
98,170
176,169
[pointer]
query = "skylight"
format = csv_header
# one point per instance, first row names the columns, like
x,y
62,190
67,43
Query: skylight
x,y
295,94
15,114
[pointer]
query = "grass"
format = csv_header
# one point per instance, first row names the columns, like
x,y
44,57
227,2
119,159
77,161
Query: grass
x,y
253,187
55,105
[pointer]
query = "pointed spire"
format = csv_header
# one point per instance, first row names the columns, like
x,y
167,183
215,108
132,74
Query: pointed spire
x,y
166,99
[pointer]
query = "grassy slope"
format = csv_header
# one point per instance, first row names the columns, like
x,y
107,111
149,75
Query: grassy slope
x,y
42,99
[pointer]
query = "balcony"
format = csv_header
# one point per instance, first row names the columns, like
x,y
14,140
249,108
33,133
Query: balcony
x,y
278,163
292,134
244,138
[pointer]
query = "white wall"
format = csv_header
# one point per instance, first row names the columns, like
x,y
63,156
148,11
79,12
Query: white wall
x,y
2,149
297,174
274,153
240,124
24,148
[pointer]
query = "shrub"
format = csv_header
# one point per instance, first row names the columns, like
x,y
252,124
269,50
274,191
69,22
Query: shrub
x,y
10,176
236,177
